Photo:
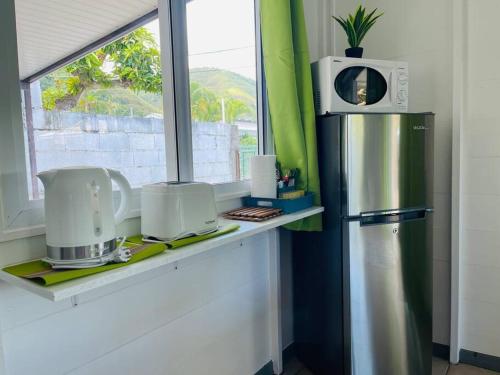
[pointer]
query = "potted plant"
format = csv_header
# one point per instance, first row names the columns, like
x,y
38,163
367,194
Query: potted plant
x,y
356,26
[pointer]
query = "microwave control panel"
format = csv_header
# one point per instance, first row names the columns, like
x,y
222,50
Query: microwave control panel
x,y
402,88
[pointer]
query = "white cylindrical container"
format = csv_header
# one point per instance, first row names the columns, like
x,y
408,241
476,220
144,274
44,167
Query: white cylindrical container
x,y
263,173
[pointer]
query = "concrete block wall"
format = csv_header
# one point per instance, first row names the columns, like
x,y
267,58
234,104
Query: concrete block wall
x,y
215,148
134,146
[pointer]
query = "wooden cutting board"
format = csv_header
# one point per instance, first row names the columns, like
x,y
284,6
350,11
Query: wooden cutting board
x,y
253,213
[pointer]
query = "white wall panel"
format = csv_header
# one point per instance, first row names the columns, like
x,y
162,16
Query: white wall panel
x,y
218,339
213,308
419,32
481,332
402,34
481,211
480,167
319,27
481,137
478,283
483,176
19,307
481,248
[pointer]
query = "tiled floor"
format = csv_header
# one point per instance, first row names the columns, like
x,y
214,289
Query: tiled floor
x,y
295,367
439,367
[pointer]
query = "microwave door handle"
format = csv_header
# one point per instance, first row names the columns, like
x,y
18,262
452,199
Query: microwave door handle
x,y
389,87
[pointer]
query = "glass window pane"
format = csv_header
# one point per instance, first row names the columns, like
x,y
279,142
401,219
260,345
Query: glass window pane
x,y
222,70
104,109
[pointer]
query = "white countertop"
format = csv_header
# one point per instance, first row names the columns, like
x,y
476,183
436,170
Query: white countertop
x,y
75,287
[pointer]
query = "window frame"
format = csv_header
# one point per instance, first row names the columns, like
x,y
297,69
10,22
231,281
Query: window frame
x,y
182,94
21,217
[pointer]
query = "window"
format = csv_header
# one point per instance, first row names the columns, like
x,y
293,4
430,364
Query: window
x,y
104,109
223,88
114,89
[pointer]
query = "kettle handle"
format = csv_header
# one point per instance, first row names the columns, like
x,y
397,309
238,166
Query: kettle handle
x,y
126,195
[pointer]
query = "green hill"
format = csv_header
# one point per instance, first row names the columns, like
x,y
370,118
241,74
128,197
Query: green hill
x,y
227,84
119,102
125,102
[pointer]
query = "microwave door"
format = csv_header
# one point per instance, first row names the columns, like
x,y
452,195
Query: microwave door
x,y
350,84
390,88
361,86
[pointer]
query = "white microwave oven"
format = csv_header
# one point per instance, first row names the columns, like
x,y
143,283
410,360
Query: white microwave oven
x,y
343,84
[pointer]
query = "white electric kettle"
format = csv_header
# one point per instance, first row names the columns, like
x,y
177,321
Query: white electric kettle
x,y
79,217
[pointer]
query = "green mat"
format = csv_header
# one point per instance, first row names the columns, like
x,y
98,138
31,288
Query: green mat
x,y
43,274
190,240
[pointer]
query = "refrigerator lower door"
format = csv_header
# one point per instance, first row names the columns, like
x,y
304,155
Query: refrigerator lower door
x,y
389,295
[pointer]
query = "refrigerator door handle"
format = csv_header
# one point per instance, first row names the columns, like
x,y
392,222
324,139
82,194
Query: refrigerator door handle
x,y
393,212
391,217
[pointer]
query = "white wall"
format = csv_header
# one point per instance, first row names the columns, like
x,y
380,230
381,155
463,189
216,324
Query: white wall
x,y
209,316
480,246
319,27
420,32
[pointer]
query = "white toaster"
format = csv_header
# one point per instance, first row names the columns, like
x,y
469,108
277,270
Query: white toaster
x,y
173,210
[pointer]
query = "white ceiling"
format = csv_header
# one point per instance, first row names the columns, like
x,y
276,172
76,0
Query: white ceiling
x,y
49,30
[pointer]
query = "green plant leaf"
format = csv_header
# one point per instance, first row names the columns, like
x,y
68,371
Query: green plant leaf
x,y
347,28
350,18
356,26
341,21
351,33
353,36
358,18
367,27
369,19
369,16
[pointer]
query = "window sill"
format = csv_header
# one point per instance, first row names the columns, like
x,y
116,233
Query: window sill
x,y
76,287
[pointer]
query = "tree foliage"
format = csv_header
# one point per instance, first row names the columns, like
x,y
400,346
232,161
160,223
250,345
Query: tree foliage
x,y
136,59
132,61
248,140
93,82
206,106
234,109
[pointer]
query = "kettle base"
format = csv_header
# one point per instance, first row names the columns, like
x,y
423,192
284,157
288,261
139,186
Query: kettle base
x,y
81,252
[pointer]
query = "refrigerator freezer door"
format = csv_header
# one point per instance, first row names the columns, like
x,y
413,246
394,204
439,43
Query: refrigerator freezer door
x,y
387,161
389,293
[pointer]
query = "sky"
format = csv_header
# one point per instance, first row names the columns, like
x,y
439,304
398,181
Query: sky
x,y
221,34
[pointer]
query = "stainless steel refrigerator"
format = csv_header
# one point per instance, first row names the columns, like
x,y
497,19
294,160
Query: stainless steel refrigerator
x,y
363,287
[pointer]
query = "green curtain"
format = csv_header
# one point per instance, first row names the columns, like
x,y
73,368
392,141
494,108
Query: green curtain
x,y
290,95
